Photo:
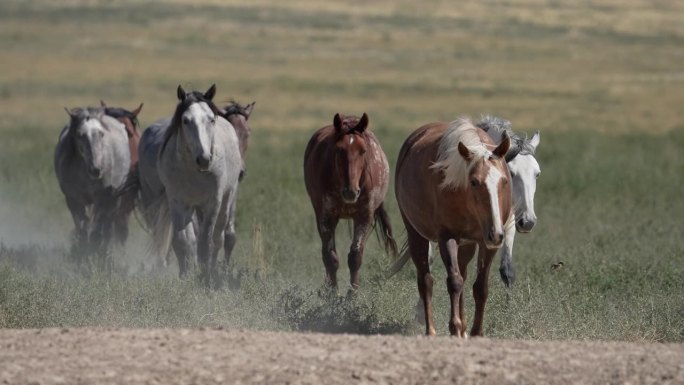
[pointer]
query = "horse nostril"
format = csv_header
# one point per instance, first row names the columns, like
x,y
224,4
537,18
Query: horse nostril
x,y
203,161
521,223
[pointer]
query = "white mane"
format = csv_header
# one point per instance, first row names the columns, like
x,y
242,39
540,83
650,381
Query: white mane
x,y
450,161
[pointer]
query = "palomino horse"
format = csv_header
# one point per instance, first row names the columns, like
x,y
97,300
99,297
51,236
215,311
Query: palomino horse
x,y
346,175
197,165
91,162
524,170
130,121
146,176
453,190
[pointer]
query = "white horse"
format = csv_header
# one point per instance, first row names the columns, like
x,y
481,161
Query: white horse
x,y
152,193
91,161
524,170
189,169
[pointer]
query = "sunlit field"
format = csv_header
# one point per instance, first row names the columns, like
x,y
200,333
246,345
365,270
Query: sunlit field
x,y
602,81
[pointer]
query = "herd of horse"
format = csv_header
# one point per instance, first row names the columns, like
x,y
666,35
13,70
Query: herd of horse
x,y
466,186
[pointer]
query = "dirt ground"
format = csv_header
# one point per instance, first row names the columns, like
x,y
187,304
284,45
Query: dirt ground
x,y
172,356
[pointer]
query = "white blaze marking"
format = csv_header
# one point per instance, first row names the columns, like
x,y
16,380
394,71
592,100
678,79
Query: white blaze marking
x,y
351,140
492,181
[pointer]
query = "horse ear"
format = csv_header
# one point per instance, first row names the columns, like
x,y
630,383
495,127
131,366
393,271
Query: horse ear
x,y
68,111
209,95
501,150
137,110
248,110
363,124
534,142
103,104
180,92
464,151
337,122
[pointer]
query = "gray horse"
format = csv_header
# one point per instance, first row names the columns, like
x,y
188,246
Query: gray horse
x,y
146,176
188,176
91,161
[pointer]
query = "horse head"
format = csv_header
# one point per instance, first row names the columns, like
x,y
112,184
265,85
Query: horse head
x,y
88,131
238,115
350,150
194,121
525,170
488,190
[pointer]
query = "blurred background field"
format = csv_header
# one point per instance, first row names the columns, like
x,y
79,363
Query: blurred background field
x,y
602,80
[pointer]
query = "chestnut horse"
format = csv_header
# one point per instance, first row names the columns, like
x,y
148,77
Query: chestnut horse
x,y
453,190
346,175
130,121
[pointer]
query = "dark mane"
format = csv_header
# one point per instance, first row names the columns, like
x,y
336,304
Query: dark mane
x,y
235,108
500,125
118,113
190,99
348,123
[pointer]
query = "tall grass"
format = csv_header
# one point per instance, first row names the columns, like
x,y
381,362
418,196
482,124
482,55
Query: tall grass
x,y
602,83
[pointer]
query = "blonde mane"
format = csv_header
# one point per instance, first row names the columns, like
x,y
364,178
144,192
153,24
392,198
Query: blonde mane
x,y
449,160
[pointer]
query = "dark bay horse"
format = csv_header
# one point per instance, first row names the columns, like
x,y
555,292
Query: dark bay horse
x,y
238,115
130,121
346,175
453,190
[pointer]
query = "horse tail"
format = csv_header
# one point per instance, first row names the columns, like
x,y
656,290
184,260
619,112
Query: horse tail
x,y
127,195
401,262
382,219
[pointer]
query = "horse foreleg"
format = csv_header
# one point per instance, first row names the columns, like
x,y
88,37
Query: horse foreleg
x,y
205,243
465,255
229,238
101,235
79,243
418,247
481,288
448,249
506,269
362,227
326,230
182,239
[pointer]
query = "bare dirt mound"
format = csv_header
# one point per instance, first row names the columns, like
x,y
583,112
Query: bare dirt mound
x,y
172,356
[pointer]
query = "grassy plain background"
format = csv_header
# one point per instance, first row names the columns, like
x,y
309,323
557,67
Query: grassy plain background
x,y
602,80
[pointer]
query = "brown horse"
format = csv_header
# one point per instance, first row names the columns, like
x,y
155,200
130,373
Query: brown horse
x,y
130,120
238,115
453,190
346,175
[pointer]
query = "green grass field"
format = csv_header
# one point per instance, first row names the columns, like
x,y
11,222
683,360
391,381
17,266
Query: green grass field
x,y
602,81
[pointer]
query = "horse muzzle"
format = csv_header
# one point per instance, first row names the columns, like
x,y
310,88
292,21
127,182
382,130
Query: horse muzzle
x,y
349,195
203,162
494,239
525,225
94,172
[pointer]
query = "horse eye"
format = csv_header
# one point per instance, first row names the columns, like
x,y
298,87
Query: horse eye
x,y
213,120
474,183
186,120
537,175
